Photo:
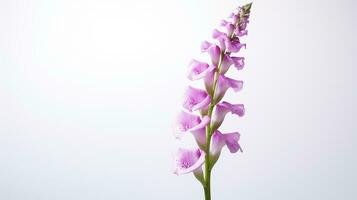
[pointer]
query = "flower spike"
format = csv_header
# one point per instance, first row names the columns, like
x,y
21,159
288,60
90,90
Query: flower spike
x,y
203,112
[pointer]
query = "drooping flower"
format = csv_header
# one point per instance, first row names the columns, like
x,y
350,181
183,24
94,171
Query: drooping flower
x,y
198,70
219,140
190,122
221,111
188,160
231,44
223,83
230,28
215,52
240,32
196,99
187,122
238,62
234,45
227,61
200,137
221,37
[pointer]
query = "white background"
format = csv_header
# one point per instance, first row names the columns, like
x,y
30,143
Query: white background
x,y
89,91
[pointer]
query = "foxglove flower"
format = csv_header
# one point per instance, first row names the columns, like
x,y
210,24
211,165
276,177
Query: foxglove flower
x,y
188,160
203,112
196,99
215,52
198,70
222,109
187,122
220,140
223,83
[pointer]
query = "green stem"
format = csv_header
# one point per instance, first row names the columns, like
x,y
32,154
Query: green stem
x,y
207,187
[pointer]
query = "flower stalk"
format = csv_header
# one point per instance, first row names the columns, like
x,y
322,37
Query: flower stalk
x,y
204,128
207,183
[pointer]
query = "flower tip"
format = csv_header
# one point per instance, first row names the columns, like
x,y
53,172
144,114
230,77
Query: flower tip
x,y
246,7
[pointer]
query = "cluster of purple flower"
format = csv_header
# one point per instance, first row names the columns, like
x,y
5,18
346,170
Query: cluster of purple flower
x,y
208,105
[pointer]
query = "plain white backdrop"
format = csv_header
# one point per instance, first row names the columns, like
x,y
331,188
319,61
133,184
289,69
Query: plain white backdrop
x,y
89,90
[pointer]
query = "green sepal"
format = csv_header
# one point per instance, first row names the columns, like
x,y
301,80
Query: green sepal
x,y
199,175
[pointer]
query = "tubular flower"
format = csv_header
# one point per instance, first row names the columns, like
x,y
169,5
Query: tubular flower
x,y
203,111
222,109
219,140
187,122
215,52
198,70
205,45
187,160
200,137
196,99
223,83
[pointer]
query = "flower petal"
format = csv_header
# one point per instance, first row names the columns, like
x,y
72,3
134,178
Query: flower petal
x,y
188,160
209,81
222,109
235,19
198,70
205,45
196,99
190,122
219,140
226,63
215,52
205,120
240,33
243,24
221,37
234,45
232,141
218,143
238,62
200,137
230,29
224,83
186,121
216,34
